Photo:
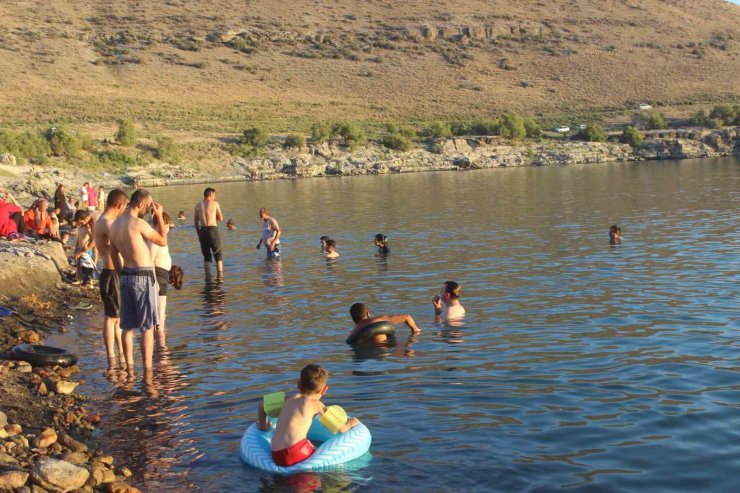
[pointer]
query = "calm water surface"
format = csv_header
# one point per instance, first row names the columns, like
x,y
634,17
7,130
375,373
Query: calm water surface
x,y
580,367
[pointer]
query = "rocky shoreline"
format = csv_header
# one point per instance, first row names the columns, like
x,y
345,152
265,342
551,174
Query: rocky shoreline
x,y
46,428
452,154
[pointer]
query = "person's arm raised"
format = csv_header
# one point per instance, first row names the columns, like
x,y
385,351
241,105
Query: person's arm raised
x,y
405,319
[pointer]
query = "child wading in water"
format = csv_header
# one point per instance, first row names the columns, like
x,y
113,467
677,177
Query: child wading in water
x,y
447,304
290,443
381,241
83,252
331,249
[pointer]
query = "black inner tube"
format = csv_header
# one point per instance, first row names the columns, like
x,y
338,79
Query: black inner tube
x,y
371,330
39,355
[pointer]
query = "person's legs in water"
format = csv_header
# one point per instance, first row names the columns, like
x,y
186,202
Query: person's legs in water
x,y
128,349
161,331
147,347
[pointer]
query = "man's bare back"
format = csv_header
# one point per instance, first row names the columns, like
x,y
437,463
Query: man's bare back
x,y
128,237
208,213
102,238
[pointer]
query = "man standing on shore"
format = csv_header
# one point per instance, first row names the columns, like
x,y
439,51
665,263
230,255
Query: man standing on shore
x,y
139,294
92,199
270,235
82,204
109,277
60,203
206,218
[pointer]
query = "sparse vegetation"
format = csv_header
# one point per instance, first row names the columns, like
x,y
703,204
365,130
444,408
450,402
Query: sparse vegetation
x,y
352,135
255,137
62,143
295,141
126,135
652,120
439,129
511,126
24,145
632,136
166,149
592,133
532,128
320,132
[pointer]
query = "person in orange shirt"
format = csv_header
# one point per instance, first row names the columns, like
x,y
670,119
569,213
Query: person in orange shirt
x,y
38,221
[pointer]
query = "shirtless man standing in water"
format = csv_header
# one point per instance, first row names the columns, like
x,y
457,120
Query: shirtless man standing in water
x,y
207,216
109,277
139,294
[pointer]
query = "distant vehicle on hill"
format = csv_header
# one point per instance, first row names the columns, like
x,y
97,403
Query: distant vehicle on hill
x,y
644,106
582,126
563,129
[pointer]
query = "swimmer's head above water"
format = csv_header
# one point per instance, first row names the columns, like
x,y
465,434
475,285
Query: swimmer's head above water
x,y
615,234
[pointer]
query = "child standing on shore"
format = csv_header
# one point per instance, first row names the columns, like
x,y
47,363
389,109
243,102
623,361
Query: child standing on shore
x,y
447,304
290,444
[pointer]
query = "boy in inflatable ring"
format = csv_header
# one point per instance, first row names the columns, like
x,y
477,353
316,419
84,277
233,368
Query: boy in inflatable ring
x,y
360,314
290,443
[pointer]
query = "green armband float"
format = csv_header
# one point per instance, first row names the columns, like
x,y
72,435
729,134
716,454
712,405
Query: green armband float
x,y
273,403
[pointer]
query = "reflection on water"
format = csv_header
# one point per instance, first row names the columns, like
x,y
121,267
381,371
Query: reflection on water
x,y
580,365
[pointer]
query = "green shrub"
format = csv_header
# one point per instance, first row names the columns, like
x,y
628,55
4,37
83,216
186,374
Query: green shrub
x,y
295,140
484,127
62,142
320,132
255,137
632,136
126,134
651,121
532,128
166,149
398,142
26,145
459,128
402,130
439,129
512,127
116,160
352,135
727,115
592,133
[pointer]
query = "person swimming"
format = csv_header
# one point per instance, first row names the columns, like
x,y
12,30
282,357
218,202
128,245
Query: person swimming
x,y
381,241
323,240
615,235
331,249
231,225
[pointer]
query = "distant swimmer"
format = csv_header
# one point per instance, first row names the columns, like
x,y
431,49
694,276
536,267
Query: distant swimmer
x,y
323,240
129,235
381,241
270,234
231,225
331,249
447,304
360,314
615,235
181,215
207,216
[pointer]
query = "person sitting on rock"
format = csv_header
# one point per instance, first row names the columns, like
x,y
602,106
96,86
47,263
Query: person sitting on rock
x,y
11,216
38,221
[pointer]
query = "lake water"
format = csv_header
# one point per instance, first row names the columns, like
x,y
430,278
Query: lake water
x,y
580,366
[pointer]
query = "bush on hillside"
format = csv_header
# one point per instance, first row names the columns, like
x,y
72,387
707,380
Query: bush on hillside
x,y
650,121
484,127
255,137
296,141
727,115
632,136
439,130
25,145
166,149
532,128
402,130
320,132
592,133
512,126
398,142
459,128
126,134
352,135
62,142
117,160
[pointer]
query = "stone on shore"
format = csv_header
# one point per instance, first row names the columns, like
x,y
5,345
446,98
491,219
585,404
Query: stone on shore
x,y
12,479
64,387
3,419
58,475
71,443
45,439
119,487
14,429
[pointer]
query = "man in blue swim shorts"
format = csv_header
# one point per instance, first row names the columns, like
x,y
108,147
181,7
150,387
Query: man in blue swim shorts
x,y
129,235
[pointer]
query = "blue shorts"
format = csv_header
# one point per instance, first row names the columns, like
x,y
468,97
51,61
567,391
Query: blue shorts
x,y
139,298
273,254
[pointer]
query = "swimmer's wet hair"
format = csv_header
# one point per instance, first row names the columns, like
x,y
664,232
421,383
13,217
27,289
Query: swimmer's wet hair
x,y
116,197
453,289
230,222
208,191
331,243
313,379
264,210
358,311
324,238
615,229
176,275
381,238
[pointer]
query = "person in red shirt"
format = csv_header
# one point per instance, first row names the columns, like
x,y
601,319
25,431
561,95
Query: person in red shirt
x,y
11,215
38,221
92,198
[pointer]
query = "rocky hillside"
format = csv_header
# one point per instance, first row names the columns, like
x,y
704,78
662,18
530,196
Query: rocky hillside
x,y
223,63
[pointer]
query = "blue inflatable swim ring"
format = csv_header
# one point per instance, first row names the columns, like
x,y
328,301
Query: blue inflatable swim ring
x,y
331,455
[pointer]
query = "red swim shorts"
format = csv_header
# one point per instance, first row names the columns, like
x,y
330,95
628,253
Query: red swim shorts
x,y
294,454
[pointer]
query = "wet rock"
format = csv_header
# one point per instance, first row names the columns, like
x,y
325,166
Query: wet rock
x,y
45,439
119,487
72,444
58,475
29,336
3,419
20,440
106,459
101,475
11,479
14,429
64,387
6,459
76,458
3,433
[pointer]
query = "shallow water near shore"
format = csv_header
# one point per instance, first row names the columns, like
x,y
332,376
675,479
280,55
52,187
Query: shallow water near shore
x,y
580,366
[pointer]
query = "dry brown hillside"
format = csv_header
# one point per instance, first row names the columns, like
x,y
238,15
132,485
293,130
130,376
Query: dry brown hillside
x,y
219,63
